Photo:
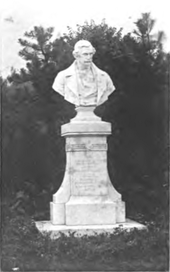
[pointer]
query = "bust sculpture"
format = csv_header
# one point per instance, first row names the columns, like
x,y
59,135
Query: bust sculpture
x,y
83,83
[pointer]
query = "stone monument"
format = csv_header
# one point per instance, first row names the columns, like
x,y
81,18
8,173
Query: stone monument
x,y
86,197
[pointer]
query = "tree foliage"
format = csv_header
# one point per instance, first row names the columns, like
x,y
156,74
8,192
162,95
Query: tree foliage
x,y
34,113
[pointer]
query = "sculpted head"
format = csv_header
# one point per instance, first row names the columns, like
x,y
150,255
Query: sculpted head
x,y
83,52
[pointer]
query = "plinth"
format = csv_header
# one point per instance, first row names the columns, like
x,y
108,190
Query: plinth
x,y
86,196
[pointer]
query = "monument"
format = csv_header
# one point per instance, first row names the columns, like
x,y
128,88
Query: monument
x,y
86,198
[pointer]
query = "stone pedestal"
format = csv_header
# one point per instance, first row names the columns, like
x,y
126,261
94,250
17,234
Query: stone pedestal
x,y
86,196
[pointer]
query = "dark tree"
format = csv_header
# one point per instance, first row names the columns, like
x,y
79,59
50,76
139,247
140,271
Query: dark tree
x,y
137,109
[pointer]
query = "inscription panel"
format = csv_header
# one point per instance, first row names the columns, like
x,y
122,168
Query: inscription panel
x,y
80,147
90,174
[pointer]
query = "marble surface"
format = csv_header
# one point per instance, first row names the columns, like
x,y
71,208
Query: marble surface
x,y
86,196
90,230
86,123
66,84
86,128
87,167
90,211
58,213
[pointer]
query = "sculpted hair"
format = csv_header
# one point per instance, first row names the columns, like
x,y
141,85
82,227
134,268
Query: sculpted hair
x,y
82,44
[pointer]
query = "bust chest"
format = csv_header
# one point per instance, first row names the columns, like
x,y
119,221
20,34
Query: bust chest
x,y
87,87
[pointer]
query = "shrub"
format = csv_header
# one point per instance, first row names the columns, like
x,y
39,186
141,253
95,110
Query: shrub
x,y
25,248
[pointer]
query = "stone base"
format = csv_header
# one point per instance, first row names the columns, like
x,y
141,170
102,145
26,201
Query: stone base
x,y
87,210
90,230
86,196
93,211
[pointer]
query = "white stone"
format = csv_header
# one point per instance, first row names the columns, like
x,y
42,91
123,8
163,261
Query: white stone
x,y
90,230
86,196
85,114
66,84
63,194
120,212
57,213
88,172
86,128
90,210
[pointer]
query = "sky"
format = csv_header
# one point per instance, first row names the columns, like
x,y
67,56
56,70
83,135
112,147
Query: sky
x,y
19,16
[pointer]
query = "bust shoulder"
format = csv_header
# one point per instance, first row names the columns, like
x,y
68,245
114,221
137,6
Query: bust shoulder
x,y
99,71
68,71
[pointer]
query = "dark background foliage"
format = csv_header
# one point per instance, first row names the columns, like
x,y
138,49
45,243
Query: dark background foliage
x,y
33,156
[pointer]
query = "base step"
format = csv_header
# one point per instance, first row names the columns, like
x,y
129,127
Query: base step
x,y
90,230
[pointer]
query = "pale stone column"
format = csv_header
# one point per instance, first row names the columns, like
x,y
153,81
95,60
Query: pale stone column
x,y
86,196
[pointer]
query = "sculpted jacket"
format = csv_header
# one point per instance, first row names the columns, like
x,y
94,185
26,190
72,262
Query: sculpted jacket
x,y
65,84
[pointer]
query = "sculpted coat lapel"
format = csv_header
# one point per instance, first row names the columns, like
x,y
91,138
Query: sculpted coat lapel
x,y
65,83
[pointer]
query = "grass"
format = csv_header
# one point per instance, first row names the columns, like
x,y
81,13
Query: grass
x,y
24,248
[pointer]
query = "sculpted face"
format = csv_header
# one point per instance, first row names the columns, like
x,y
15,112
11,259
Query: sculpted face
x,y
85,56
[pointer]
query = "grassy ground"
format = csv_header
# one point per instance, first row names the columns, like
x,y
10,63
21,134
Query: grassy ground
x,y
25,249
